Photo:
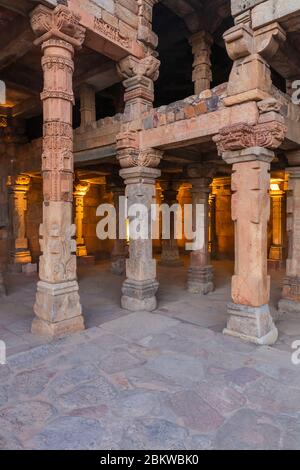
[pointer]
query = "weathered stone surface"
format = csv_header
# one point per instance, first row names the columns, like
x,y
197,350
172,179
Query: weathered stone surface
x,y
69,433
195,413
248,430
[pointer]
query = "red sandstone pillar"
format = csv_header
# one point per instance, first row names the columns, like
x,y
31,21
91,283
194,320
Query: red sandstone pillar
x,y
120,249
170,251
240,146
290,302
200,274
57,308
201,47
250,317
18,189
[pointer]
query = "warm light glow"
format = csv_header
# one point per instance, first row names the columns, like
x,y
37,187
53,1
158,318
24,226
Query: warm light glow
x,y
275,187
127,231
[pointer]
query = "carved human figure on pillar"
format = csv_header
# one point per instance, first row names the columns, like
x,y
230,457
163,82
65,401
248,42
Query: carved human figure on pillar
x,y
139,173
57,308
200,274
170,252
81,189
250,317
201,43
18,189
290,302
120,249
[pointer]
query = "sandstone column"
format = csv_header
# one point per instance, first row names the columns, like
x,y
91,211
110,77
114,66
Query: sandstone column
x,y
276,250
250,317
139,166
120,249
290,302
201,47
213,241
200,274
241,146
87,105
18,189
57,308
139,172
80,191
170,251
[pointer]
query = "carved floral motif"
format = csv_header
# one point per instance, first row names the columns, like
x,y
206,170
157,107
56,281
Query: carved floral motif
x,y
241,136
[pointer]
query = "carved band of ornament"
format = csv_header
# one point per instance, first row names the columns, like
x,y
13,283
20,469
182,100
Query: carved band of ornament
x,y
63,95
146,158
241,136
57,160
56,62
111,32
139,92
58,43
56,128
60,22
57,144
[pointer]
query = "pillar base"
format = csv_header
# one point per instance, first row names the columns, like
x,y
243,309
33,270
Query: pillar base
x,y
288,306
200,280
118,266
52,331
58,309
251,324
170,257
139,295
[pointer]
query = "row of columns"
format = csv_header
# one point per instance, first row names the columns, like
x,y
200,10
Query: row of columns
x,y
57,308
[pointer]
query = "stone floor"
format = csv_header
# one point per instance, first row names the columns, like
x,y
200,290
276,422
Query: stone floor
x,y
167,380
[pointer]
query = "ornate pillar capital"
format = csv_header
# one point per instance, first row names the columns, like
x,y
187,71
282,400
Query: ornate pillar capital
x,y
138,75
60,23
240,137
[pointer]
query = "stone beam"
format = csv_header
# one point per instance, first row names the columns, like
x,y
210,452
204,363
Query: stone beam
x,y
240,6
276,10
198,129
106,34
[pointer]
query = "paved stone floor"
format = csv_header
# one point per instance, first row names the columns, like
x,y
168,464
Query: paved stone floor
x,y
167,380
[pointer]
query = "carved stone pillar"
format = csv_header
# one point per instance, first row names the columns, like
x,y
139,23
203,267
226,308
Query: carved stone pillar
x,y
139,172
139,89
18,189
80,191
87,105
120,249
57,308
290,302
240,146
170,251
276,250
200,274
201,47
212,236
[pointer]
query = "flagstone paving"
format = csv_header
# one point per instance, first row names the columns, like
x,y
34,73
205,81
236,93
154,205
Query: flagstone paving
x,y
148,381
166,380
